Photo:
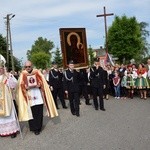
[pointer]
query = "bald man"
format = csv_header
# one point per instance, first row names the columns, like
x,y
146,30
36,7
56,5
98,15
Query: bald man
x,y
33,92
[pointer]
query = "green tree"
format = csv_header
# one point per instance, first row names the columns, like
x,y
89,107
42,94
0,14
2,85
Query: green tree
x,y
17,64
91,55
3,46
145,34
40,45
58,57
125,39
3,51
40,60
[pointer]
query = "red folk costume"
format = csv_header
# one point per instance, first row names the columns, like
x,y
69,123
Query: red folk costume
x,y
141,71
24,97
141,81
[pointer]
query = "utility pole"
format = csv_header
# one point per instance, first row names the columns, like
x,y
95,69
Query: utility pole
x,y
105,22
9,41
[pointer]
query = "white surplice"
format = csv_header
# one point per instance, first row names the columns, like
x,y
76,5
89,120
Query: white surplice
x,y
8,123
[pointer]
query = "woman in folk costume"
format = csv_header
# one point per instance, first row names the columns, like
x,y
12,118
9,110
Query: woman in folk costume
x,y
141,81
131,76
8,122
33,92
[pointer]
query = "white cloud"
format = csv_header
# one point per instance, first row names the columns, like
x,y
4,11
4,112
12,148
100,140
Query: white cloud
x,y
36,18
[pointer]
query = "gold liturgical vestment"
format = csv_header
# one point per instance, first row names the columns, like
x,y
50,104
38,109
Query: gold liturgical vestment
x,y
23,97
5,97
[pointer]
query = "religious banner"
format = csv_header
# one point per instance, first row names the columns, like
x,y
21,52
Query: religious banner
x,y
2,99
31,81
74,46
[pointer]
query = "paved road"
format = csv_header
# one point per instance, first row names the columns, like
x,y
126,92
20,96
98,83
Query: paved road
x,y
124,126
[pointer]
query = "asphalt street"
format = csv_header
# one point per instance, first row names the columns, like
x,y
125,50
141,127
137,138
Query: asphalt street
x,y
125,125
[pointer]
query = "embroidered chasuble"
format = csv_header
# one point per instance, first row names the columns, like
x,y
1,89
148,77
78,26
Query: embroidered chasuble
x,y
8,123
34,96
5,97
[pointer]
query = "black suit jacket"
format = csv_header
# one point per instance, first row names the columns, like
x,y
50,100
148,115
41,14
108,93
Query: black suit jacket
x,y
56,79
71,81
97,77
83,77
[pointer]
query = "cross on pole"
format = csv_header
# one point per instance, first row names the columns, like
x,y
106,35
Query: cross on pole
x,y
105,22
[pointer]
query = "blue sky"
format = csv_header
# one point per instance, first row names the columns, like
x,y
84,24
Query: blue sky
x,y
43,18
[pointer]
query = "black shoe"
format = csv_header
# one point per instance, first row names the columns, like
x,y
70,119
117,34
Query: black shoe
x,y
73,113
36,132
96,108
78,115
103,109
88,103
65,107
13,135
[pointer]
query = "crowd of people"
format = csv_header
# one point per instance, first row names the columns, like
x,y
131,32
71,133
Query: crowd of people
x,y
23,95
126,81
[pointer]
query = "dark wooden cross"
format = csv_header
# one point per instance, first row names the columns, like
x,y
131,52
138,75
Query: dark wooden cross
x,y
105,15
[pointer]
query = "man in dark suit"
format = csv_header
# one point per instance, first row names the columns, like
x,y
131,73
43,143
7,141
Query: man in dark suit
x,y
71,87
98,84
56,85
83,85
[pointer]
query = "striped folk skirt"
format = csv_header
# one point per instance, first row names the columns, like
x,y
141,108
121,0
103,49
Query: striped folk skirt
x,y
142,83
130,83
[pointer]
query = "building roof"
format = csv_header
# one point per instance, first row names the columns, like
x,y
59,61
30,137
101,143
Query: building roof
x,y
100,52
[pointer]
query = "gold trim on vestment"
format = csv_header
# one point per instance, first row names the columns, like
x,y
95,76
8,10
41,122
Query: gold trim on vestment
x,y
2,99
23,100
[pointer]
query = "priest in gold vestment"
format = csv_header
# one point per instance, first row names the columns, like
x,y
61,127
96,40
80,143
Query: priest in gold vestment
x,y
8,122
33,93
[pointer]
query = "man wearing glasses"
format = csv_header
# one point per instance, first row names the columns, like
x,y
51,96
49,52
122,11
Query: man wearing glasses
x,y
32,96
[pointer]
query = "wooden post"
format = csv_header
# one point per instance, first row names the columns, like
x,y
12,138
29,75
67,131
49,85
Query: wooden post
x,y
9,41
105,22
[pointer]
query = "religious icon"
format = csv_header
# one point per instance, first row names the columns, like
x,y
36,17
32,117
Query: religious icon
x,y
73,44
31,80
